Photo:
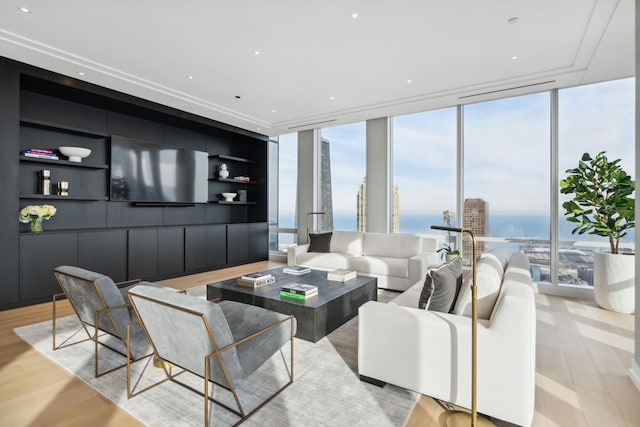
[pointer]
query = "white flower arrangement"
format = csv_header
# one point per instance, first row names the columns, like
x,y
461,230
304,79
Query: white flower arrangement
x,y
31,213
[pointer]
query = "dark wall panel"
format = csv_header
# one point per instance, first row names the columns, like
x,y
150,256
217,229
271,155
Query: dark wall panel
x,y
237,243
195,247
170,251
216,245
143,253
104,252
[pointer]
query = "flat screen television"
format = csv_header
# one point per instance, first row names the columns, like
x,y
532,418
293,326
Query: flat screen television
x,y
147,172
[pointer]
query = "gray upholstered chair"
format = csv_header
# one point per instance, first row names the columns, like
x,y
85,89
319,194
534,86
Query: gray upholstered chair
x,y
105,313
223,343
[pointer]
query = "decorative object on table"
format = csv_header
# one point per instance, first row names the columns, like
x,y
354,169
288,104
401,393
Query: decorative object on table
x,y
256,276
448,251
224,171
75,154
242,178
242,195
341,275
34,214
255,283
296,270
460,419
40,153
298,291
62,188
603,204
45,182
228,197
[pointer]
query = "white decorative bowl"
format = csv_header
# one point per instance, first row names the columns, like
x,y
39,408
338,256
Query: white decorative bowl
x,y
75,154
228,197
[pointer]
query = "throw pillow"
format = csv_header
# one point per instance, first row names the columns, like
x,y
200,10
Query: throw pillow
x,y
441,286
319,242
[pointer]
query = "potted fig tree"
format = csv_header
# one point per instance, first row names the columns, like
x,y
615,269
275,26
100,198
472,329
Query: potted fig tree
x,y
603,204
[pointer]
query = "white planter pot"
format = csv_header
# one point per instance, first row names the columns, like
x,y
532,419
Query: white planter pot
x,y
613,281
450,257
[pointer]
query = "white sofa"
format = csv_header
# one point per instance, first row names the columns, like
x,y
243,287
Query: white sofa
x,y
430,352
398,261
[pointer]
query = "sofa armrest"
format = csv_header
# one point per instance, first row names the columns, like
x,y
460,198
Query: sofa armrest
x,y
294,251
419,265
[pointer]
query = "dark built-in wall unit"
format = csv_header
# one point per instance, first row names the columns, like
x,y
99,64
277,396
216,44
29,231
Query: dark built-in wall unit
x,y
125,240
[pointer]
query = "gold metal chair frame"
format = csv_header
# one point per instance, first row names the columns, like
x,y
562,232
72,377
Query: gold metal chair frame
x,y
217,353
95,336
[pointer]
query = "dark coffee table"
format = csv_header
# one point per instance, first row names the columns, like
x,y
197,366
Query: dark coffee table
x,y
316,316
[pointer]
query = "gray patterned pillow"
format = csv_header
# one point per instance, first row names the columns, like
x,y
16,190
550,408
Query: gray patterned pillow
x,y
441,287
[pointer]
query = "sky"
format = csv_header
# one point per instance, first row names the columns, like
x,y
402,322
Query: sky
x,y
506,150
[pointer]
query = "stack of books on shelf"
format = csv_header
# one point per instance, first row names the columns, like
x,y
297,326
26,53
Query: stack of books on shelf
x,y
298,291
40,153
341,275
255,280
296,270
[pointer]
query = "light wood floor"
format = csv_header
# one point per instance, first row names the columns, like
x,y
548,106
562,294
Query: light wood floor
x,y
583,357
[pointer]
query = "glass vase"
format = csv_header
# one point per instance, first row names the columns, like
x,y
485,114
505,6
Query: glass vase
x,y
36,225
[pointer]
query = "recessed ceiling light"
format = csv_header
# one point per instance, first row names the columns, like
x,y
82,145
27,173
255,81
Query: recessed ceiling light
x,y
81,73
409,81
354,15
256,52
238,97
273,111
332,98
24,9
514,57
190,77
513,20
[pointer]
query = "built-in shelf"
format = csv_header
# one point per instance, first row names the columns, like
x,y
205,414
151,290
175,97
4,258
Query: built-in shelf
x,y
43,124
230,158
57,197
224,202
62,162
235,181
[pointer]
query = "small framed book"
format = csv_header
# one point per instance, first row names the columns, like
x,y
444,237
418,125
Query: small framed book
x,y
297,270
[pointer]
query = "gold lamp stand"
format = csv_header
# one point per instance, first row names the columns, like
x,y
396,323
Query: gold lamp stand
x,y
463,419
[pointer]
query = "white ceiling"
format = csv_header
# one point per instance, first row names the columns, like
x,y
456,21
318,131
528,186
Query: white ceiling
x,y
310,51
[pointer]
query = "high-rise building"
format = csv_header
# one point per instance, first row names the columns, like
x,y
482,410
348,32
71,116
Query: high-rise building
x,y
325,222
476,219
361,210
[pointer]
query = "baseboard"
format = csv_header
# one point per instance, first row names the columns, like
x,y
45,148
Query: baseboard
x,y
372,381
634,373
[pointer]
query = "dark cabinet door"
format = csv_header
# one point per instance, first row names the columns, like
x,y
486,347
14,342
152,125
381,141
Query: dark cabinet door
x,y
216,245
195,248
237,243
258,241
170,250
39,254
143,253
104,252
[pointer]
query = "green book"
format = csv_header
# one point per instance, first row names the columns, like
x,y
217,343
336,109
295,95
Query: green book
x,y
292,295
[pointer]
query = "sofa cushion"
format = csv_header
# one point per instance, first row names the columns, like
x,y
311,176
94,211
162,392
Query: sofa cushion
x,y
347,242
319,242
488,280
323,261
397,267
392,245
441,287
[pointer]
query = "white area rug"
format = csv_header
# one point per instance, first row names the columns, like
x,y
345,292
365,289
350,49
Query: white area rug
x,y
326,390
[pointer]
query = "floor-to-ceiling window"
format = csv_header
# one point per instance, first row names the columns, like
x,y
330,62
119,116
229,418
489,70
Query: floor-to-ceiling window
x,y
592,118
342,173
424,169
283,170
506,175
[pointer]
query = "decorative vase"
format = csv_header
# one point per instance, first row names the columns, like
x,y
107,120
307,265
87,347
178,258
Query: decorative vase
x,y
36,225
224,171
450,257
613,281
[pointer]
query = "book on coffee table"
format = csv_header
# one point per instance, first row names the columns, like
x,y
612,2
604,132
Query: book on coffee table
x,y
256,276
341,275
255,283
297,270
298,290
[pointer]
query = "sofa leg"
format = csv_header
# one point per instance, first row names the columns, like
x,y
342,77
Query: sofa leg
x,y
372,381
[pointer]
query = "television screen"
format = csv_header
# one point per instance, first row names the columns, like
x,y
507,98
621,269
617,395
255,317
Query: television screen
x,y
144,171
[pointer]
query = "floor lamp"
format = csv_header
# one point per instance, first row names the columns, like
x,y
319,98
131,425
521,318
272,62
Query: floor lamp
x,y
460,419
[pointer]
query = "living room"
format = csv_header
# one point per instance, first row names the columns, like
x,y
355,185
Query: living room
x,y
49,95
